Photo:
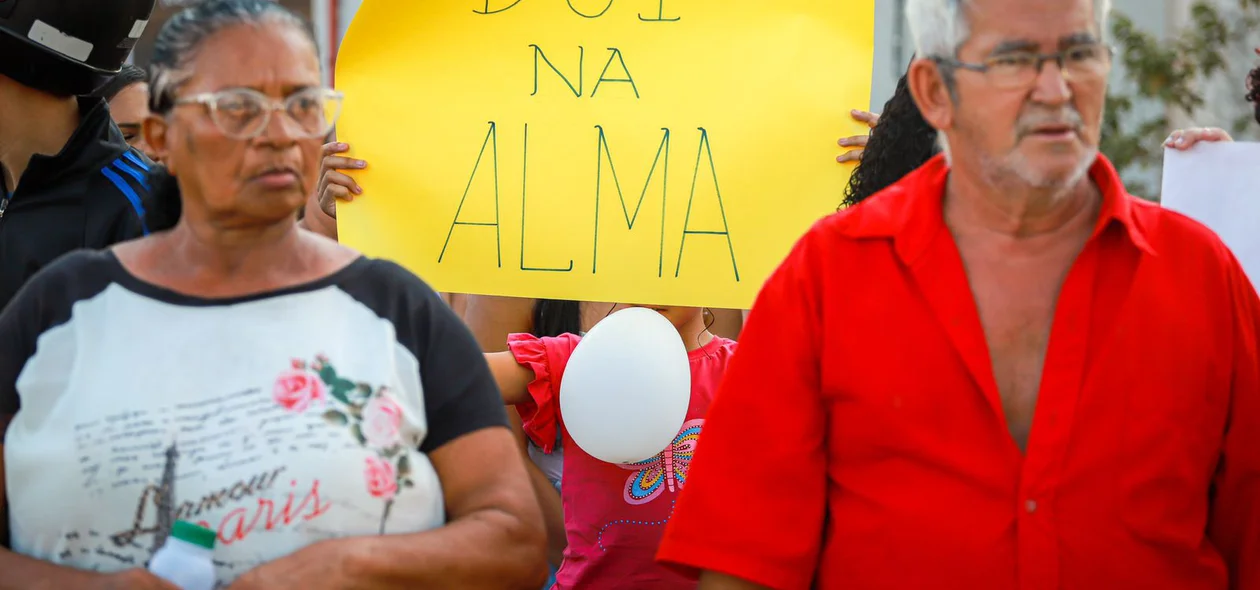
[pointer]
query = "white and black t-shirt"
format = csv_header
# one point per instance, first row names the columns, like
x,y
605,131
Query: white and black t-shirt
x,y
277,420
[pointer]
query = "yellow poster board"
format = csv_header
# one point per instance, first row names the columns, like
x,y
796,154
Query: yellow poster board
x,y
662,152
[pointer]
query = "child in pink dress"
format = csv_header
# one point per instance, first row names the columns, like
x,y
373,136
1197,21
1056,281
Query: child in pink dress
x,y
614,515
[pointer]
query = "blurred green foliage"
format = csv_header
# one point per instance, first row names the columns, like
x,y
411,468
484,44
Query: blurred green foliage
x,y
1171,72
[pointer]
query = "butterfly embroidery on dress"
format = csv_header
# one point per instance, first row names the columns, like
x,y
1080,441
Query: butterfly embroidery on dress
x,y
666,470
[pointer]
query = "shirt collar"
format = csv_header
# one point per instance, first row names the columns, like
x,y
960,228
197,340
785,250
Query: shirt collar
x,y
910,211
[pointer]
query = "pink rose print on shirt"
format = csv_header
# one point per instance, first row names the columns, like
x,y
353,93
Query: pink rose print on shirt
x,y
372,416
382,479
297,389
382,421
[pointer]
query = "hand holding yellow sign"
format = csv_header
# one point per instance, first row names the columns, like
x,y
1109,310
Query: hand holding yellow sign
x,y
640,151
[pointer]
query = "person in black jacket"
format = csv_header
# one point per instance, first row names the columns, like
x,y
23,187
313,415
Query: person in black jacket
x,y
68,179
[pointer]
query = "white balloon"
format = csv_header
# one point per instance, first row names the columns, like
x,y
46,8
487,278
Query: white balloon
x,y
626,389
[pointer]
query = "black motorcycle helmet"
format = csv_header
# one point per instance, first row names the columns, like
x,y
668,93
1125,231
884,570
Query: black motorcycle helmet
x,y
68,47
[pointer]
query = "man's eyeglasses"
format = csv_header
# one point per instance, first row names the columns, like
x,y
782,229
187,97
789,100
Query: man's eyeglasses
x,y
244,114
1015,69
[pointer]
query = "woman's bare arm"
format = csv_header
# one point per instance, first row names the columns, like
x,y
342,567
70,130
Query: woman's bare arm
x,y
512,378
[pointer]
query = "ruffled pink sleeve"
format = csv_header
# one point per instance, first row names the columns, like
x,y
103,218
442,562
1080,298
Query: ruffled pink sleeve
x,y
546,357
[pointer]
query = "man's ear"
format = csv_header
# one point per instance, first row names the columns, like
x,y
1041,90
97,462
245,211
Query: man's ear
x,y
154,130
931,93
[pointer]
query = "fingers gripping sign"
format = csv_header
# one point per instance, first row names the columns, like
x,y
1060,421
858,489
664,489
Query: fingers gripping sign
x,y
1184,139
857,144
334,184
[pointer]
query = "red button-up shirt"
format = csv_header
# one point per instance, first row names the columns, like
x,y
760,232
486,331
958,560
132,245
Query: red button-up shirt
x,y
858,439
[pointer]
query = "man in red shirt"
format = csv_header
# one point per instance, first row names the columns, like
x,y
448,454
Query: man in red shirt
x,y
1003,372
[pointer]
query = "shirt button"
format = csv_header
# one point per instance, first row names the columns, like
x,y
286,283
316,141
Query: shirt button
x,y
1030,506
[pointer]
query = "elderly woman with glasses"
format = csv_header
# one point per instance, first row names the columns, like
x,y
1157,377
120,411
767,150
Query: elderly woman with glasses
x,y
325,414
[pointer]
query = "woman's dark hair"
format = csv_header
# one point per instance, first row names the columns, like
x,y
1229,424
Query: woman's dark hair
x,y
125,77
553,317
1253,90
899,143
176,46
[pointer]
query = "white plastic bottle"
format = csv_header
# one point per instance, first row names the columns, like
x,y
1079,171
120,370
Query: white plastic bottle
x,y
186,559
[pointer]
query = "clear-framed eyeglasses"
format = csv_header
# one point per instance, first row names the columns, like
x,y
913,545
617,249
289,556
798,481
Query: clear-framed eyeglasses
x,y
1082,62
243,113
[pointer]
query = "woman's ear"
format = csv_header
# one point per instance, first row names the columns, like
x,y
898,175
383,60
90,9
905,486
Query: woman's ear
x,y
932,93
154,130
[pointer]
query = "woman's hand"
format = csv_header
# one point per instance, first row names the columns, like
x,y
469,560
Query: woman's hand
x,y
857,143
1184,139
334,184
315,567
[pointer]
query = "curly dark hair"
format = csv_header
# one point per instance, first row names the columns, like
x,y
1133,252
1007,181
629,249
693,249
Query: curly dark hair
x,y
899,143
1253,90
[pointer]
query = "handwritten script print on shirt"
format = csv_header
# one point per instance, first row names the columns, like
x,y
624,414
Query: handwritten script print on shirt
x,y
240,442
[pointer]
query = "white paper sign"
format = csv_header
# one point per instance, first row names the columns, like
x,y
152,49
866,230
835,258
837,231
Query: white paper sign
x,y
1218,185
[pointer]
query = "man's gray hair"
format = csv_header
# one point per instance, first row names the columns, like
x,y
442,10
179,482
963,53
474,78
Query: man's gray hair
x,y
939,27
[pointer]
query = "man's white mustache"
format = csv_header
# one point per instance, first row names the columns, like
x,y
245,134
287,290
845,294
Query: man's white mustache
x,y
1066,118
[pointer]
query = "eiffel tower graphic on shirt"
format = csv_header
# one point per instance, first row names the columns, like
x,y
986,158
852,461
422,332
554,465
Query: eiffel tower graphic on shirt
x,y
166,498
